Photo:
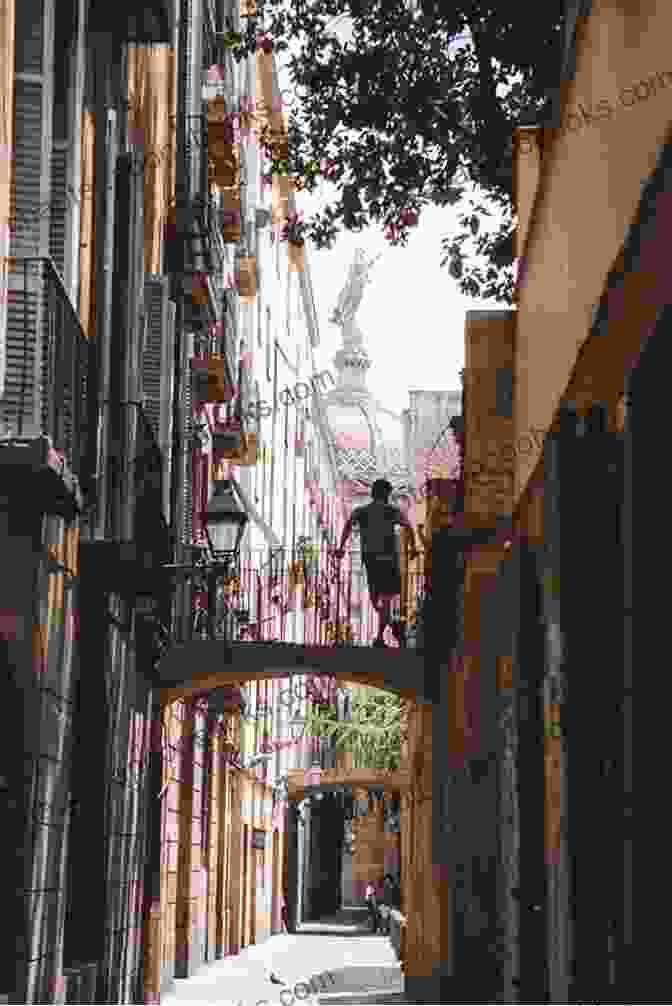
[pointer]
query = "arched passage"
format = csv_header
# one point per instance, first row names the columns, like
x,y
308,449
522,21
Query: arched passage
x,y
197,666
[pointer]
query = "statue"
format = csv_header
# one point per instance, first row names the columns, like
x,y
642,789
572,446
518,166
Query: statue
x,y
351,297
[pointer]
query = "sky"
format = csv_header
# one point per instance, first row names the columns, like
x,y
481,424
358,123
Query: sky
x,y
412,313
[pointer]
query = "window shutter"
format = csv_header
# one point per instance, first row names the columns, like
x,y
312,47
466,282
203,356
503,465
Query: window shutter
x,y
58,206
25,365
157,369
27,211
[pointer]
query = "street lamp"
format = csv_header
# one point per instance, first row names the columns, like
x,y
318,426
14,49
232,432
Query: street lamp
x,y
225,520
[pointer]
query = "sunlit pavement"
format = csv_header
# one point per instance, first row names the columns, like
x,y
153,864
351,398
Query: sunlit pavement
x,y
356,967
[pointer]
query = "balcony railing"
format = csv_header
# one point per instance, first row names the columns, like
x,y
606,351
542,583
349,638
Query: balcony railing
x,y
301,595
48,378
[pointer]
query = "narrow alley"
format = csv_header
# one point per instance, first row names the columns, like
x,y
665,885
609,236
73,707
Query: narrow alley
x,y
332,358
348,964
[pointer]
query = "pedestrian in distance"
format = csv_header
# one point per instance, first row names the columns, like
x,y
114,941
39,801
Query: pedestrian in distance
x,y
372,905
380,553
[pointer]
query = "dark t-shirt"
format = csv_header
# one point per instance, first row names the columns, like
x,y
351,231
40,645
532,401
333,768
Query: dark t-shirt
x,y
376,523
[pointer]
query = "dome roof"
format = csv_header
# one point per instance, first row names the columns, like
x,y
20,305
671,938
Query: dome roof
x,y
369,440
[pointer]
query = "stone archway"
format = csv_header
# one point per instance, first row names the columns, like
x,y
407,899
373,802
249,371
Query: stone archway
x,y
201,665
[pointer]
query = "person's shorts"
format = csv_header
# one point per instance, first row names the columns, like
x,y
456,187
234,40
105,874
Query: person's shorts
x,y
383,574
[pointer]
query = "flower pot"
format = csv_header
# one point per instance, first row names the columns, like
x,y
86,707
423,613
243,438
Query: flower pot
x,y
226,444
229,216
209,380
247,279
282,186
230,225
266,100
296,253
278,143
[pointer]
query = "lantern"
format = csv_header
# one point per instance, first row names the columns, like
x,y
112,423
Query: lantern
x,y
225,519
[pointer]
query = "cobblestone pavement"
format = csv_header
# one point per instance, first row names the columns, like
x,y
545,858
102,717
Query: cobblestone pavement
x,y
355,966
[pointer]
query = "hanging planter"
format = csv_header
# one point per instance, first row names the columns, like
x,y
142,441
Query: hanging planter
x,y
266,100
294,228
223,168
230,225
234,445
227,441
296,253
209,380
231,39
264,42
196,285
282,186
172,246
296,575
222,153
247,278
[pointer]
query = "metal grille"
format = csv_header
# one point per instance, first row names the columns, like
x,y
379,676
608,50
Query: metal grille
x,y
156,293
187,515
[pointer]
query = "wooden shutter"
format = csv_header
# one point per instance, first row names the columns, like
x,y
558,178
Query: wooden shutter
x,y
33,90
158,370
22,404
58,206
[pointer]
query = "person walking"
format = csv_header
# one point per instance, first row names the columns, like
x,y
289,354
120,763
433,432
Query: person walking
x,y
380,553
372,905
393,891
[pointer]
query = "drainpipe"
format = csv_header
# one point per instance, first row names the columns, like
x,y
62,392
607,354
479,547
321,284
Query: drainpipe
x,y
105,162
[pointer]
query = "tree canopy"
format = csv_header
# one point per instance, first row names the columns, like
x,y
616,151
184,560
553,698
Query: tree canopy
x,y
416,108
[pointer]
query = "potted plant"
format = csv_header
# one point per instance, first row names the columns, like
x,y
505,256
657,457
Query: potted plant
x,y
230,224
292,232
264,42
232,39
247,278
409,217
